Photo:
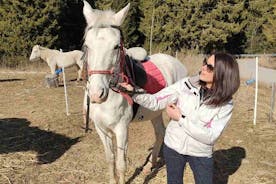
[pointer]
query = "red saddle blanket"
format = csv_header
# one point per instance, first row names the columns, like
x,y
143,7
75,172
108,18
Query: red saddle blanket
x,y
155,79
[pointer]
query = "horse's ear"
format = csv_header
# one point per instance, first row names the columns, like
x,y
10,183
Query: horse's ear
x,y
88,13
121,15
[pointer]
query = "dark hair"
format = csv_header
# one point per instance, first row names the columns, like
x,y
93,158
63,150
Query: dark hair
x,y
226,80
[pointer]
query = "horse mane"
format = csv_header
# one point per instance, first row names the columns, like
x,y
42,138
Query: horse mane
x,y
46,52
45,48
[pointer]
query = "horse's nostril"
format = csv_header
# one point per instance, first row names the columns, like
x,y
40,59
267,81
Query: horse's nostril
x,y
102,93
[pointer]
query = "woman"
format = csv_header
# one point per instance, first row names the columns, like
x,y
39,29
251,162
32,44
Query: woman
x,y
200,108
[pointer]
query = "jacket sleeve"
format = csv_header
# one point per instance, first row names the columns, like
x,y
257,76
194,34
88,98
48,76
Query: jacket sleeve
x,y
160,99
207,132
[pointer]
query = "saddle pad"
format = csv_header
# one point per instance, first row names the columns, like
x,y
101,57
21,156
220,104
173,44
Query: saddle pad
x,y
155,79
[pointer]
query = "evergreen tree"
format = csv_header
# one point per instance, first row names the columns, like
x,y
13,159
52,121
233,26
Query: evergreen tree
x,y
221,22
163,21
72,25
202,25
168,18
103,5
269,30
27,22
255,15
147,8
195,23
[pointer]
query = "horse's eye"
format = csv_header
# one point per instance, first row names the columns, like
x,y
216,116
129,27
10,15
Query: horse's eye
x,y
117,46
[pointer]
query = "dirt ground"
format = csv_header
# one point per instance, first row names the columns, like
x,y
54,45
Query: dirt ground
x,y
40,144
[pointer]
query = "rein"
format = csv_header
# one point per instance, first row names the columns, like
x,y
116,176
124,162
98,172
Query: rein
x,y
117,72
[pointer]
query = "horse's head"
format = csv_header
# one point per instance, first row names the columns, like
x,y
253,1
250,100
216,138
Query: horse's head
x,y
103,49
35,55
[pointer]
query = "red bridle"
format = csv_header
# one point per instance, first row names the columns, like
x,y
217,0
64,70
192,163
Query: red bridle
x,y
121,62
108,72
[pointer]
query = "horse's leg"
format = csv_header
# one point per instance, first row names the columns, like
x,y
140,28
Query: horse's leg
x,y
109,153
53,68
84,108
79,74
79,66
159,130
121,132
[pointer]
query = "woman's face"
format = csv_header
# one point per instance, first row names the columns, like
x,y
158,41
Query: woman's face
x,y
207,71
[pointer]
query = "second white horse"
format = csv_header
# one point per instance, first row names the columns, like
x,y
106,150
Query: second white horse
x,y
56,59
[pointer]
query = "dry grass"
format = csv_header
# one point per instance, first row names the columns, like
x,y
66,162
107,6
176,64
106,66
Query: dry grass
x,y
268,62
192,62
40,144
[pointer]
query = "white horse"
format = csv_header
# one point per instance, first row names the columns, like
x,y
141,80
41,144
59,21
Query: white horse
x,y
109,108
56,59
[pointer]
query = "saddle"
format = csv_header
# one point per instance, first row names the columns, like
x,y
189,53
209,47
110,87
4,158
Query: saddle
x,y
142,74
134,68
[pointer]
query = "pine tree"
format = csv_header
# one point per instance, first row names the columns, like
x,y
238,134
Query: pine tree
x,y
255,15
72,25
269,30
103,5
27,22
199,25
224,23
166,17
147,8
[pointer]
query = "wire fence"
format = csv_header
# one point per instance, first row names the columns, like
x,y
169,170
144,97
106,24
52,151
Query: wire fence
x,y
260,108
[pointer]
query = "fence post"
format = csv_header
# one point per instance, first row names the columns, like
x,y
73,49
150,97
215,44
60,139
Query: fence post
x,y
65,92
272,102
256,90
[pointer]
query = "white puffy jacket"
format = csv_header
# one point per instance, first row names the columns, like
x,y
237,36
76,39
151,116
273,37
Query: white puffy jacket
x,y
196,133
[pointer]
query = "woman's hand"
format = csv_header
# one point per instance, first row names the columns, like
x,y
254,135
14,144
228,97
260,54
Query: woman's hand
x,y
126,86
173,112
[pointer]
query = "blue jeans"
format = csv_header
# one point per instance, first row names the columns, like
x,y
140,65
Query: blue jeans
x,y
202,167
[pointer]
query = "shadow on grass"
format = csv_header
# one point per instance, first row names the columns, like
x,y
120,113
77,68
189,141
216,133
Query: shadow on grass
x,y
227,162
16,135
159,165
11,80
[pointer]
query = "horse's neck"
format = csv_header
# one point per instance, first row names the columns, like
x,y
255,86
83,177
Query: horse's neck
x,y
46,53
116,100
74,54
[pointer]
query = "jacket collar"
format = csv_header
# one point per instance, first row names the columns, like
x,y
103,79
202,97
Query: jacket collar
x,y
194,81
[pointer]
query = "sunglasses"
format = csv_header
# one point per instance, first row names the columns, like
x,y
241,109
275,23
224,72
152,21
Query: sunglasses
x,y
210,68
